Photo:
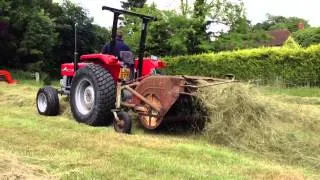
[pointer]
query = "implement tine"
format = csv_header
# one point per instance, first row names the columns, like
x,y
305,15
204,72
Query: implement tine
x,y
204,82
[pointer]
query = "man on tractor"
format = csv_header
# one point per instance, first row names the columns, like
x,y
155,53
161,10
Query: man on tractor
x,y
120,46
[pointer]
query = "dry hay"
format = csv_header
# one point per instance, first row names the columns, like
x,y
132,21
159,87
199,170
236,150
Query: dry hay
x,y
12,168
241,118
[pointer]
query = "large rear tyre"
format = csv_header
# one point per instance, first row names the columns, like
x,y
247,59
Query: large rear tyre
x,y
48,101
93,95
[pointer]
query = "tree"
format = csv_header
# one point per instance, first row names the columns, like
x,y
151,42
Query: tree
x,y
131,4
207,14
39,39
240,36
31,33
89,36
184,7
307,36
182,33
281,22
101,36
42,32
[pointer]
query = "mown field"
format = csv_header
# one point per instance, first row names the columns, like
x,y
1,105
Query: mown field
x,y
38,147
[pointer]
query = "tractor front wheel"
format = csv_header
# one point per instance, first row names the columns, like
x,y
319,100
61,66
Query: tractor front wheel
x,y
48,101
93,95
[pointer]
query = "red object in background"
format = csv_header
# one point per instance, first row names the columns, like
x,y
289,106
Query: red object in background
x,y
7,76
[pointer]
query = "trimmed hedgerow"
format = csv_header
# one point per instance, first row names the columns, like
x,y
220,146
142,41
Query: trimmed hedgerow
x,y
294,65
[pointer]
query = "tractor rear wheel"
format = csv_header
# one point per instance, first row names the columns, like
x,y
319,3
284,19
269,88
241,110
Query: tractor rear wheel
x,y
93,95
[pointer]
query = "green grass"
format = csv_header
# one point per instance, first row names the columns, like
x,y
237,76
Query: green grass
x,y
65,149
298,91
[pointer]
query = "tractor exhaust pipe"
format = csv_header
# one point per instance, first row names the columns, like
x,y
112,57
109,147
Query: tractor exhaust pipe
x,y
75,48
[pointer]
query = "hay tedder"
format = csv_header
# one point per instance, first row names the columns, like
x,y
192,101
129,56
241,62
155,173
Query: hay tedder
x,y
6,76
102,88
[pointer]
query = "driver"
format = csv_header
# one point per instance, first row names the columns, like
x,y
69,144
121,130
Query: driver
x,y
120,46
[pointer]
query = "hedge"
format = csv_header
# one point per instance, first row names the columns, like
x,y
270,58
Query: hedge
x,y
294,65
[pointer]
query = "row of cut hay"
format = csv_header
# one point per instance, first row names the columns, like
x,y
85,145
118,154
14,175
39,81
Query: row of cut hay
x,y
13,168
241,118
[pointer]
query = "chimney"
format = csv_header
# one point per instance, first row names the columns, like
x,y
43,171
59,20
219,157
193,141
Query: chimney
x,y
300,26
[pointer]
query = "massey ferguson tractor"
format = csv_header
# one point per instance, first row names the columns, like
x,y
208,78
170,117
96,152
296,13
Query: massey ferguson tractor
x,y
103,88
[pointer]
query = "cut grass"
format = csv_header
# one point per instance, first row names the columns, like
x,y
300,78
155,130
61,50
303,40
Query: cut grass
x,y
68,150
298,91
240,117
12,168
297,95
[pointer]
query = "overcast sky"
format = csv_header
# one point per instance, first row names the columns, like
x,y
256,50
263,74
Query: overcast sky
x,y
256,9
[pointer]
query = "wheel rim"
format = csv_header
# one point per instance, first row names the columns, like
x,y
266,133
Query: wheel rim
x,y
42,102
84,97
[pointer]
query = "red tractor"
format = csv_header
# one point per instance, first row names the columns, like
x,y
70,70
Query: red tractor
x,y
103,88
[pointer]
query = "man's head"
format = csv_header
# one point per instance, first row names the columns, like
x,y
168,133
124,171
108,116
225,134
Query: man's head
x,y
119,35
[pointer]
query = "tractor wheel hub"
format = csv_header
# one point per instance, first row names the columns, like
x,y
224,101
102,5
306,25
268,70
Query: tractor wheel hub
x,y
84,97
88,96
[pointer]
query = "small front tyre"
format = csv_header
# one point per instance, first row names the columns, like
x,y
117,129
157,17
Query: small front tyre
x,y
124,124
48,101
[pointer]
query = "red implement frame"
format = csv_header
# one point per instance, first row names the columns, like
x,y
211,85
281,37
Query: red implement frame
x,y
7,77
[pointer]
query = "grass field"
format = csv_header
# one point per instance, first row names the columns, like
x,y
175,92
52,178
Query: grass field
x,y
38,147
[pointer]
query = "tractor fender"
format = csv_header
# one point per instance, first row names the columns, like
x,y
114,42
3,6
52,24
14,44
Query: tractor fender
x,y
109,62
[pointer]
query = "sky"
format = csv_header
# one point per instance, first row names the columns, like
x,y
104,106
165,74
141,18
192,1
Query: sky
x,y
256,9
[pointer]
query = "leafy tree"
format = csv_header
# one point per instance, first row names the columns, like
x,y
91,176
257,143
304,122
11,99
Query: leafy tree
x,y
307,36
207,14
102,35
240,36
131,4
31,33
185,33
281,22
225,13
132,26
42,32
90,37
39,38
184,7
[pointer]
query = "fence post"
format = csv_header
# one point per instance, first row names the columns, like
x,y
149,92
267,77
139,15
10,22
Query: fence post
x,y
37,76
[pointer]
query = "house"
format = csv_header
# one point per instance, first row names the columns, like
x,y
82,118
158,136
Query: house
x,y
279,37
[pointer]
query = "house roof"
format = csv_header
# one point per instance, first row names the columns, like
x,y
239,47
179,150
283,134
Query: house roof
x,y
279,37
